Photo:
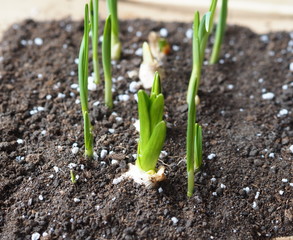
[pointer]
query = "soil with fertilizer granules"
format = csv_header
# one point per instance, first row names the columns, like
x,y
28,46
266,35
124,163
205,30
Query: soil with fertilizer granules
x,y
245,188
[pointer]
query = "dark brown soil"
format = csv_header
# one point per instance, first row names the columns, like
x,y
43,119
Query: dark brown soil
x,y
244,192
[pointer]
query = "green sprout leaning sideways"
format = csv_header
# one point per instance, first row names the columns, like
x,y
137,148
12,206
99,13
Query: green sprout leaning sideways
x,y
221,26
151,140
94,19
106,57
116,46
83,85
201,31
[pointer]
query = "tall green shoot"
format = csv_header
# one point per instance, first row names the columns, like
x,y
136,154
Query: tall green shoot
x,y
94,19
83,85
221,26
106,57
201,32
115,42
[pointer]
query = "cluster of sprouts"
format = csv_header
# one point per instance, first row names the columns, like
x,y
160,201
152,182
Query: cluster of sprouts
x,y
150,107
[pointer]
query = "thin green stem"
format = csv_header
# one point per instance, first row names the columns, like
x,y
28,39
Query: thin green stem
x,y
220,32
197,147
83,95
106,57
190,182
201,31
83,85
94,14
190,143
88,135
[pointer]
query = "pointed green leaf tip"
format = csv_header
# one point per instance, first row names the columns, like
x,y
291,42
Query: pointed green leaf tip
x,y
156,88
94,22
144,119
196,23
152,127
106,60
207,21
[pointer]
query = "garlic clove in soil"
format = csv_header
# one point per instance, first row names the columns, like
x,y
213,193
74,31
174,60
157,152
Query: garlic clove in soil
x,y
148,67
149,179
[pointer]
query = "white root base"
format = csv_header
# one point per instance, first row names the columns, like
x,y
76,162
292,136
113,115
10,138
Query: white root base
x,y
141,177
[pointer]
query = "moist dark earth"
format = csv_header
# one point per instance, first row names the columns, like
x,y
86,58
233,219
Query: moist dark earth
x,y
244,190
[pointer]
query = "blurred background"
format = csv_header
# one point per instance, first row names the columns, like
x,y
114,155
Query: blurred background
x,y
260,15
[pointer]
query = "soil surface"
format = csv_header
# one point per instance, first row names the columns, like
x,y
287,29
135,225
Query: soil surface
x,y
245,189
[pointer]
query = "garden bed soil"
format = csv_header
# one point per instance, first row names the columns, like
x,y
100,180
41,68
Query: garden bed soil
x,y
244,190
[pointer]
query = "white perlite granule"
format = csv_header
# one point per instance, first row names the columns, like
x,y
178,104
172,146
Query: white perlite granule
x,y
174,220
268,96
211,156
35,236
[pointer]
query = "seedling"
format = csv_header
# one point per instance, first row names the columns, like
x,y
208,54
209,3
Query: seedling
x,y
201,31
83,85
115,43
151,140
72,177
221,26
94,19
148,67
152,127
106,57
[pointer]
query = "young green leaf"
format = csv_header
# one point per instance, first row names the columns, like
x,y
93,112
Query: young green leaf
x,y
88,135
151,153
196,69
94,19
212,10
190,143
144,118
198,147
152,127
201,33
106,57
115,43
156,111
221,26
207,21
156,88
83,84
